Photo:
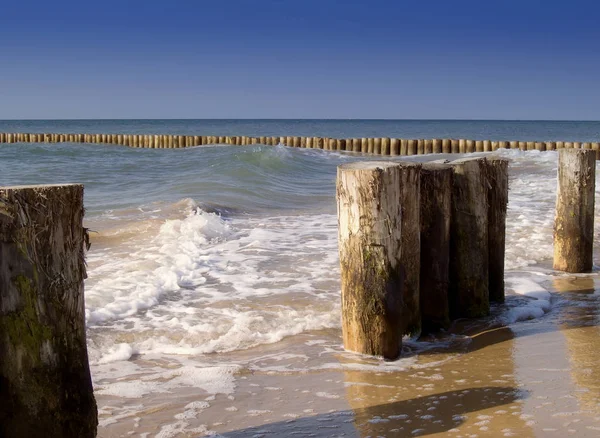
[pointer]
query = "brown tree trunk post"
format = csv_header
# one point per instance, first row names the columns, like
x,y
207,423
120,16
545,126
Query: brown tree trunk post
x,y
514,144
560,145
45,384
576,145
478,146
436,195
487,146
364,145
370,240
377,146
469,257
447,145
455,146
394,147
462,146
437,145
428,146
574,220
523,145
469,146
596,148
309,142
550,146
370,145
540,146
497,173
420,146
411,147
385,146
410,258
403,146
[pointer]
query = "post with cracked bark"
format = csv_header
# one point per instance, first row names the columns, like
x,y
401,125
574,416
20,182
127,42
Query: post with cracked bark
x,y
370,240
45,383
574,220
497,174
469,256
436,197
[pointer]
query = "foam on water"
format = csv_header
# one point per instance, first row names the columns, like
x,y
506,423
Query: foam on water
x,y
201,283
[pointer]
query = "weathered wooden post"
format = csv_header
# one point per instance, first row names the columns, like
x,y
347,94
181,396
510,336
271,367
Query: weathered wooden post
x,y
574,220
436,195
45,383
469,257
394,146
370,240
497,174
410,258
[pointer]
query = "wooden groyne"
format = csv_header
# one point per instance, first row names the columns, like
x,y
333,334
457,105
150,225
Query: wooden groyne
x,y
375,146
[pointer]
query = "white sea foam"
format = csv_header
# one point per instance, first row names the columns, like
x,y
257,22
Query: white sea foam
x,y
538,300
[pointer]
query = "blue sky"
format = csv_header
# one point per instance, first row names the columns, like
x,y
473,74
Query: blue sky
x,y
415,59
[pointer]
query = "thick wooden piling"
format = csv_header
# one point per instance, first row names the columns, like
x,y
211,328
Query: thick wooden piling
x,y
435,212
497,175
410,258
370,248
574,220
469,257
45,383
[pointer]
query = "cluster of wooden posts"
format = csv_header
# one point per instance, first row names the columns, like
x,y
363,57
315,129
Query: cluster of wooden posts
x,y
423,244
377,145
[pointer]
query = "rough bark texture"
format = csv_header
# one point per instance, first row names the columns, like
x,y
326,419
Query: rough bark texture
x,y
45,385
436,195
574,220
370,239
409,197
469,258
497,173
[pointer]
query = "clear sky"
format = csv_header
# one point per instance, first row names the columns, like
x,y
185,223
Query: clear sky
x,y
449,59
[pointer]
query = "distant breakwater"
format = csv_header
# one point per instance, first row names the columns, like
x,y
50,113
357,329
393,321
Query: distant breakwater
x,y
371,145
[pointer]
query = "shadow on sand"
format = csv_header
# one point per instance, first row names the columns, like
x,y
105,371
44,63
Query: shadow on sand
x,y
414,417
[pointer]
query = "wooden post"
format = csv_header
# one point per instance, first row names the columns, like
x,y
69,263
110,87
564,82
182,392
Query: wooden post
x,y
364,145
385,146
596,148
377,146
45,384
370,145
447,145
410,258
420,146
469,258
403,146
462,146
370,242
394,146
428,146
497,174
437,145
478,145
560,145
436,195
574,220
514,144
411,147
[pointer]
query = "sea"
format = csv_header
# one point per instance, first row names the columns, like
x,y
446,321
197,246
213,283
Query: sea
x,y
212,302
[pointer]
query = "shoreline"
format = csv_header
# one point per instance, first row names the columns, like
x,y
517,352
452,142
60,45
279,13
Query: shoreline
x,y
532,378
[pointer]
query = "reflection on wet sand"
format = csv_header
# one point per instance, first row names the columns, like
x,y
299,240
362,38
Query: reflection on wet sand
x,y
470,392
581,331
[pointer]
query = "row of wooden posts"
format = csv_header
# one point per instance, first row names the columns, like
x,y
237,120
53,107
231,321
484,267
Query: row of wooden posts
x,y
377,146
423,244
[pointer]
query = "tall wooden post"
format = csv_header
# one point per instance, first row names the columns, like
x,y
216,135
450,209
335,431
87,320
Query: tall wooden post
x,y
469,257
497,174
410,199
45,383
435,212
574,220
370,240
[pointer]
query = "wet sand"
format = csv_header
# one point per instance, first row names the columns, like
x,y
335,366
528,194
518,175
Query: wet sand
x,y
535,378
